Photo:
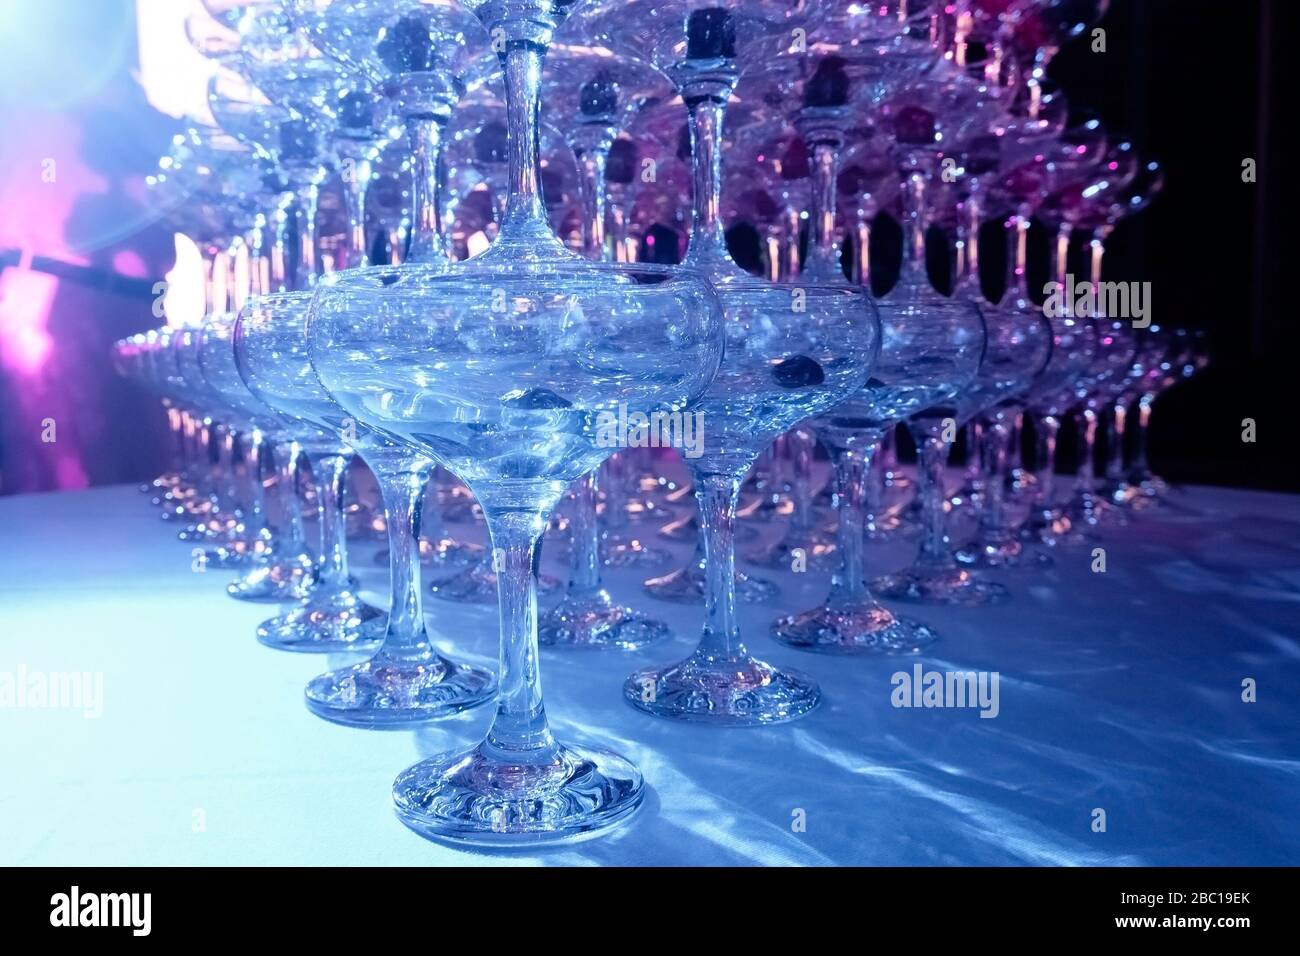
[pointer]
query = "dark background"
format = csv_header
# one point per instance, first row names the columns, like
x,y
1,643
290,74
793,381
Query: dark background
x,y
1198,86
1194,83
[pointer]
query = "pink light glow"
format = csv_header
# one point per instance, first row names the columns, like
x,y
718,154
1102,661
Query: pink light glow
x,y
128,262
25,299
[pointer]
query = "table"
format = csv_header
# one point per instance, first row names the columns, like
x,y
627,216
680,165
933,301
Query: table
x,y
1119,690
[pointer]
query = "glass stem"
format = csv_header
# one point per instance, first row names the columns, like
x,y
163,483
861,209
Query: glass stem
x,y
1014,457
357,175
1020,257
1085,481
236,291
717,495
187,446
207,478
1061,262
618,233
1115,428
424,132
525,218
616,491
864,254
304,273
889,456
226,468
592,164
176,430
935,549
278,269
875,491
995,523
208,256
259,268
1140,470
1097,250
824,142
397,238
403,492
257,458
974,209
584,537
915,222
801,445
706,104
852,477
293,539
975,471
330,472
790,235
1049,427
519,733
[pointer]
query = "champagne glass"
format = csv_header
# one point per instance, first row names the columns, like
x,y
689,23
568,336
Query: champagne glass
x,y
931,349
284,572
424,55
332,617
922,118
499,368
407,680
593,111
792,352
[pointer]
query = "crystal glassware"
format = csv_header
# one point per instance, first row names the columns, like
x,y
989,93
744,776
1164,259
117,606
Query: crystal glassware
x,y
407,680
332,617
792,351
499,368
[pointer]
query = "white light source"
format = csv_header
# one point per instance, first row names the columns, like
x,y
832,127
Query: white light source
x,y
173,75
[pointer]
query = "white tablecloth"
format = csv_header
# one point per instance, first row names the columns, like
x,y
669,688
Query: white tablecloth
x,y
1120,691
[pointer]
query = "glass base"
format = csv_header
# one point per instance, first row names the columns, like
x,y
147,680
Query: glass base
x,y
1011,553
686,586
280,581
489,799
632,553
740,692
940,586
862,629
597,622
327,622
478,585
385,692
